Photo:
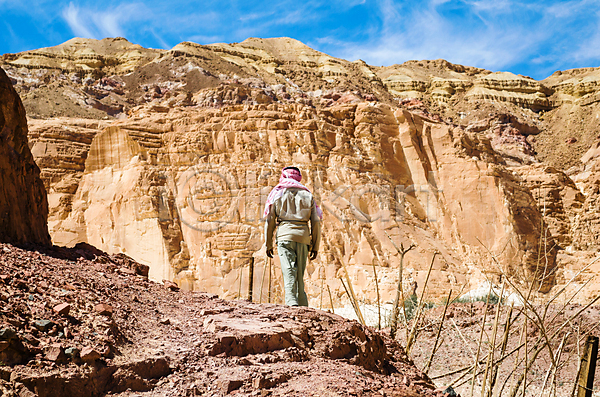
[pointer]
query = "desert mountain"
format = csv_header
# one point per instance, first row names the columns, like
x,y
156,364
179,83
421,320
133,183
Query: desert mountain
x,y
77,322
167,156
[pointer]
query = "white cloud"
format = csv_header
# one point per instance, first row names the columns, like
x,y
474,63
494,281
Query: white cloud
x,y
77,22
569,9
109,24
280,14
11,3
426,33
161,41
490,5
205,39
588,48
493,34
96,24
255,16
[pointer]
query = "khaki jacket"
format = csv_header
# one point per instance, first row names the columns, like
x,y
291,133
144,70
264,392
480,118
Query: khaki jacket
x,y
291,214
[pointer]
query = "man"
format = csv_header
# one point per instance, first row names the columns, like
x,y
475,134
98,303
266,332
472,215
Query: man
x,y
290,206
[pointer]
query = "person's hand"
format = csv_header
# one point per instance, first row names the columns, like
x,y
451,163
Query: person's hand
x,y
312,255
270,252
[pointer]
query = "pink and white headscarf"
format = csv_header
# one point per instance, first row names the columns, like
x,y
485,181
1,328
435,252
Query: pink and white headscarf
x,y
290,177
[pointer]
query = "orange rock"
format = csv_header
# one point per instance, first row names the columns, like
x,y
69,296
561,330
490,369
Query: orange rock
x,y
104,309
89,354
4,345
23,198
375,168
63,309
170,285
55,353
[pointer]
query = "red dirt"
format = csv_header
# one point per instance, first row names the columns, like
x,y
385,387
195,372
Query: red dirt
x,y
164,342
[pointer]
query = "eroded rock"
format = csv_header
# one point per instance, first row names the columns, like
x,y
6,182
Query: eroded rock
x,y
23,200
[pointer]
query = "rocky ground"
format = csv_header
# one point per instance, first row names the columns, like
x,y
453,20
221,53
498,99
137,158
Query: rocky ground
x,y
79,322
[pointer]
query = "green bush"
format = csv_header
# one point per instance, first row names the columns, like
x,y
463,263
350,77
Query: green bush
x,y
493,299
410,306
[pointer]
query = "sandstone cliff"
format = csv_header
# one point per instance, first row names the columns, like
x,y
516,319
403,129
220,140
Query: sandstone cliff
x,y
525,119
168,157
23,202
182,190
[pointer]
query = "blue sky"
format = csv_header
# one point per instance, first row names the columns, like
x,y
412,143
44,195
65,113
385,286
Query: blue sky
x,y
533,38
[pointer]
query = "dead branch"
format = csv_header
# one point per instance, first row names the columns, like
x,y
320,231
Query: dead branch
x,y
437,337
413,331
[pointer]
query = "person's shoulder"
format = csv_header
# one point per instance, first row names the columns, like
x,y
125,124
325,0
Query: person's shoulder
x,y
306,195
298,192
303,192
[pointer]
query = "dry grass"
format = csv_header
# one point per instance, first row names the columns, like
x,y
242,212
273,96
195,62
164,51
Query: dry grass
x,y
536,353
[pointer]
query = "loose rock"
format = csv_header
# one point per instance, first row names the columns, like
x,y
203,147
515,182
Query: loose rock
x,y
171,286
44,325
104,309
56,353
63,309
89,354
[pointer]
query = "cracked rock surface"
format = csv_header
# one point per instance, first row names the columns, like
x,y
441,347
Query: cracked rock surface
x,y
126,335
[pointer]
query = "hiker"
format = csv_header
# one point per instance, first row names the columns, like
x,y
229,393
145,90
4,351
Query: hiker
x,y
291,207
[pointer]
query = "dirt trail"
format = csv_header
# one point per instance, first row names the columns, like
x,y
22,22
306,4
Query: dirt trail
x,y
128,336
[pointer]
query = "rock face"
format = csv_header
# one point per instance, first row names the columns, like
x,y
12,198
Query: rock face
x,y
23,202
167,157
525,119
182,191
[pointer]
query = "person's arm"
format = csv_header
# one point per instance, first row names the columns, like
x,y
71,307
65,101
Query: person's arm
x,y
315,231
270,229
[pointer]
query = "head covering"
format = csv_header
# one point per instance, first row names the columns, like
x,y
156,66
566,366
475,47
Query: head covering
x,y
290,177
291,172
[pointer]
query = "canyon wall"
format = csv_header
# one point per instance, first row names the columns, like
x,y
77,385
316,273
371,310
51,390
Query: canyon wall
x,y
168,157
182,190
553,120
23,202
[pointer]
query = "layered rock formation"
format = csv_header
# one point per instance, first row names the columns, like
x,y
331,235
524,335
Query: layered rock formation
x,y
183,192
97,79
23,202
168,156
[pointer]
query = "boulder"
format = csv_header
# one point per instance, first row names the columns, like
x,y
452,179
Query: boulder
x,y
56,353
89,354
43,325
104,309
12,350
